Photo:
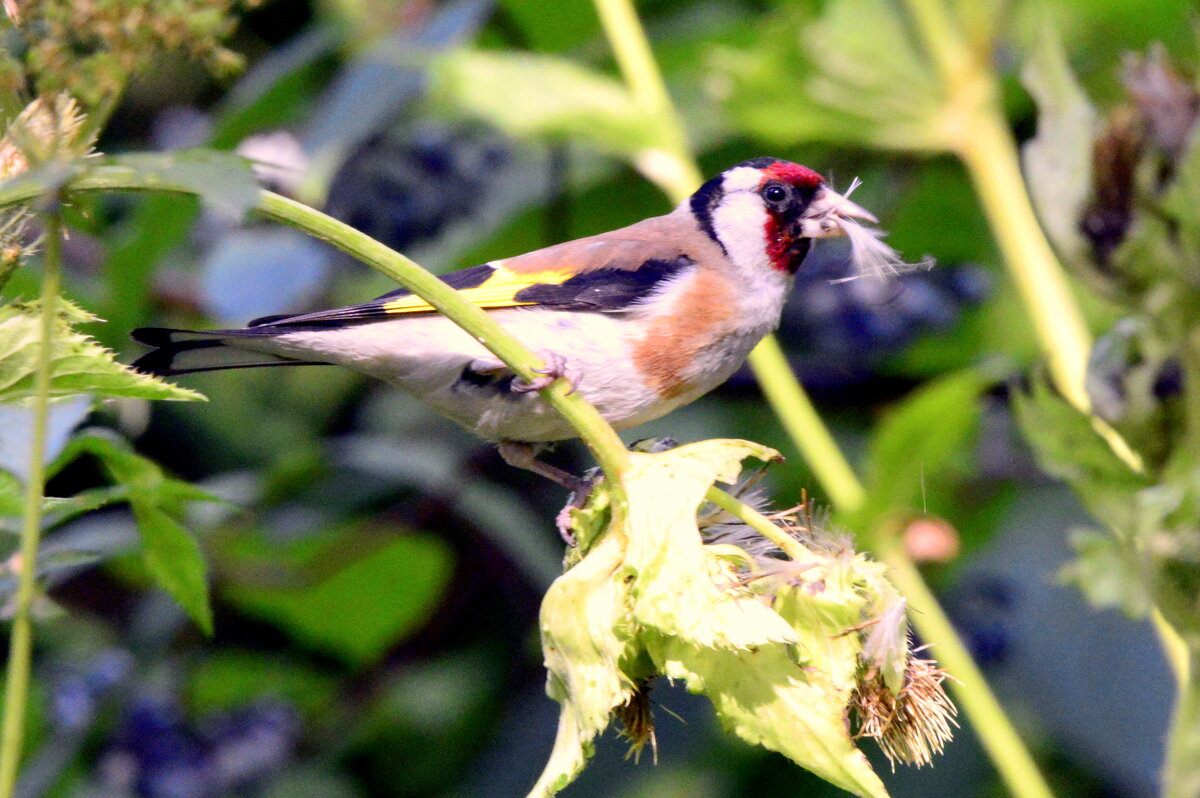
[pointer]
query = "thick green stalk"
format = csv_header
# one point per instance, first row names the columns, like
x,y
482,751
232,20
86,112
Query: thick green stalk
x,y
599,436
989,722
1181,774
979,134
671,165
790,402
20,651
795,410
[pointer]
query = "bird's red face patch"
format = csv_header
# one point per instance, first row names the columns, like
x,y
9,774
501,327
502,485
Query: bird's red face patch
x,y
797,185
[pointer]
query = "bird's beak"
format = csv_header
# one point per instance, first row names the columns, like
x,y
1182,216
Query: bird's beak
x,y
820,219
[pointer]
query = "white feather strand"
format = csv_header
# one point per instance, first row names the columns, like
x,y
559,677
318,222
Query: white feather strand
x,y
869,256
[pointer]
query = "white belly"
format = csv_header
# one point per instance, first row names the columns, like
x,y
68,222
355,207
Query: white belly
x,y
427,356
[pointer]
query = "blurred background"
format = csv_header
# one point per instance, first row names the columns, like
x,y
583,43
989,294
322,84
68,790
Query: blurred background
x,y
376,572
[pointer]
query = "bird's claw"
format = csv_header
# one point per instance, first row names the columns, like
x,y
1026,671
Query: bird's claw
x,y
555,368
580,493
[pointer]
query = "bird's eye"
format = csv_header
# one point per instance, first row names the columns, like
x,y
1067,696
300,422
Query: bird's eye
x,y
775,193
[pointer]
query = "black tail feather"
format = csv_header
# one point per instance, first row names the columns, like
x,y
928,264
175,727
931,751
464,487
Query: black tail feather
x,y
189,351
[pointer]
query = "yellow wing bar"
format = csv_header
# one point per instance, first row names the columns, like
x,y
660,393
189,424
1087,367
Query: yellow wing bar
x,y
497,291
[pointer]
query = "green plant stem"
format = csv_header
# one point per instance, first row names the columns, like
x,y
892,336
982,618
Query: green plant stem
x,y
981,137
988,720
992,162
1181,778
799,417
759,522
991,159
791,404
597,434
20,651
672,165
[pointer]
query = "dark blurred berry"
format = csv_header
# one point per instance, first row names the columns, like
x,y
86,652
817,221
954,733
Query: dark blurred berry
x,y
155,755
1168,382
72,704
246,747
159,753
981,609
75,694
403,189
837,334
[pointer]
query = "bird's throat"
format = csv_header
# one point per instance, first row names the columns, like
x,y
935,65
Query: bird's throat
x,y
785,248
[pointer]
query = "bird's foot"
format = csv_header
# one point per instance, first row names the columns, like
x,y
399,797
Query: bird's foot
x,y
555,368
524,456
579,497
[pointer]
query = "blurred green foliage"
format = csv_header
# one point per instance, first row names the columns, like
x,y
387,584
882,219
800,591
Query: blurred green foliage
x,y
376,569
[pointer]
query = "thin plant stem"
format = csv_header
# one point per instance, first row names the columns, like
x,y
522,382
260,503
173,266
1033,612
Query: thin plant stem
x,y
799,417
20,652
599,436
759,522
791,404
596,433
986,146
671,165
988,720
1181,778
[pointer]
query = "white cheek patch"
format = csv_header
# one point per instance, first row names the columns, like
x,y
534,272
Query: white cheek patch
x,y
739,222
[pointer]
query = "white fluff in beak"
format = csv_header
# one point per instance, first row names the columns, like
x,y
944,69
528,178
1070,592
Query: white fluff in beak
x,y
831,214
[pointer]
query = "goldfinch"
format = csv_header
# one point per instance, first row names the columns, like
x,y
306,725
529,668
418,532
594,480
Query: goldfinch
x,y
641,320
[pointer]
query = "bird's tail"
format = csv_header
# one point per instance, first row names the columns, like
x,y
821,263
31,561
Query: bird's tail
x,y
188,351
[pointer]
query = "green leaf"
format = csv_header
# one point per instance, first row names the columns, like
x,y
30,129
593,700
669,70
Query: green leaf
x,y
761,696
78,365
1058,160
12,501
1109,573
224,180
853,75
174,559
585,638
56,511
401,580
130,469
542,96
678,590
920,439
230,679
172,556
1069,448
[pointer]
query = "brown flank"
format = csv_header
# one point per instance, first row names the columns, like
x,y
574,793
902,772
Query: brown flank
x,y
673,340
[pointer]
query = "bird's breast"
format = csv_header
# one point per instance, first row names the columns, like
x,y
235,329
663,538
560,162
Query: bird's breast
x,y
701,336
